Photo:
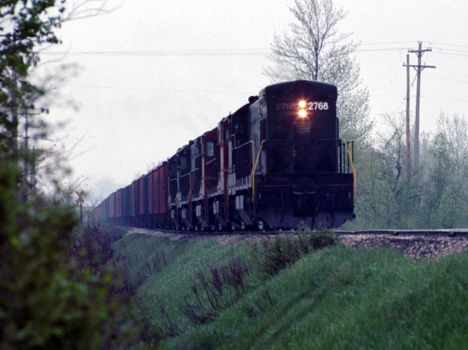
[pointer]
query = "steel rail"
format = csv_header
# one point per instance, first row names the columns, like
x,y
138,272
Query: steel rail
x,y
459,232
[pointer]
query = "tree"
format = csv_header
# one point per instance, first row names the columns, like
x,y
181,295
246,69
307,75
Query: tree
x,y
385,190
444,197
46,299
316,50
435,197
26,27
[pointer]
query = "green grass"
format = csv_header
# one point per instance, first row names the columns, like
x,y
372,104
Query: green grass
x,y
162,293
335,298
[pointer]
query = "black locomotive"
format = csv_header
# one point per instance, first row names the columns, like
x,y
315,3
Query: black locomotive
x,y
277,162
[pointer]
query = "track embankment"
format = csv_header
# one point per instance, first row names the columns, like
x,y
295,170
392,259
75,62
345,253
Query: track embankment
x,y
416,244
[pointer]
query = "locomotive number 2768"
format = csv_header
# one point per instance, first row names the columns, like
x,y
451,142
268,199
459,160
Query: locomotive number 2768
x,y
311,106
317,106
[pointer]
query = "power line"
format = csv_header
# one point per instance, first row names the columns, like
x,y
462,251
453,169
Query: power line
x,y
385,43
221,53
441,49
181,91
456,50
382,49
153,53
450,54
209,52
449,44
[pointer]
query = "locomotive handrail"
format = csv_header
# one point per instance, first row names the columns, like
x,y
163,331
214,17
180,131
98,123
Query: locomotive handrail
x,y
254,168
351,162
242,145
252,145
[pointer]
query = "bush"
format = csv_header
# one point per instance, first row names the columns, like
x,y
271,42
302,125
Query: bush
x,y
52,294
274,255
214,290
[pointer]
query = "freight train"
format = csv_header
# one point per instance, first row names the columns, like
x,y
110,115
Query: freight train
x,y
276,163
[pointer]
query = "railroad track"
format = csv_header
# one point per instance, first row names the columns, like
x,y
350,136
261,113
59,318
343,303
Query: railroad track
x,y
416,244
461,232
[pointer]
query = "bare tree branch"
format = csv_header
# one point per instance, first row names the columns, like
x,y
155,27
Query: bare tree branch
x,y
314,49
87,9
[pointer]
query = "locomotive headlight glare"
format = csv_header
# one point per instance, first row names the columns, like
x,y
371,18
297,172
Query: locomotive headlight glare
x,y
302,104
302,113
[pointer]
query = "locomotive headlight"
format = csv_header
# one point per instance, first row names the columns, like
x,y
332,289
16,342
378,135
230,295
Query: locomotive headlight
x,y
302,113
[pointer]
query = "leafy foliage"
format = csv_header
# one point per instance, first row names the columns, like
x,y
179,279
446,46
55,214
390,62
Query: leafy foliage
x,y
24,26
52,295
433,196
46,300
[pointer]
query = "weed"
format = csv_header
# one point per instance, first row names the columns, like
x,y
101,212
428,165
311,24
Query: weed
x,y
208,290
274,255
234,274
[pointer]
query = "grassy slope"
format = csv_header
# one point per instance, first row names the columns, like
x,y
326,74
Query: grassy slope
x,y
162,292
337,298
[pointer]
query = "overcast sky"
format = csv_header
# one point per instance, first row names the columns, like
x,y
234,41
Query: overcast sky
x,y
154,74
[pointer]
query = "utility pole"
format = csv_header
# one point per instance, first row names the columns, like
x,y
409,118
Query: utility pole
x,y
408,122
419,68
81,196
26,157
33,168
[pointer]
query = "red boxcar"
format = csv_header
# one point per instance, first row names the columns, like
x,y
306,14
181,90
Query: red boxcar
x,y
141,196
156,191
150,192
112,205
163,188
118,204
132,201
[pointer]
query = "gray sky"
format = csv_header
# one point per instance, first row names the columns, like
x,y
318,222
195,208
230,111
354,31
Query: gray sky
x,y
156,73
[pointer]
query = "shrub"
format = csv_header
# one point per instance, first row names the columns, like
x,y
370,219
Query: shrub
x,y
274,255
210,291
